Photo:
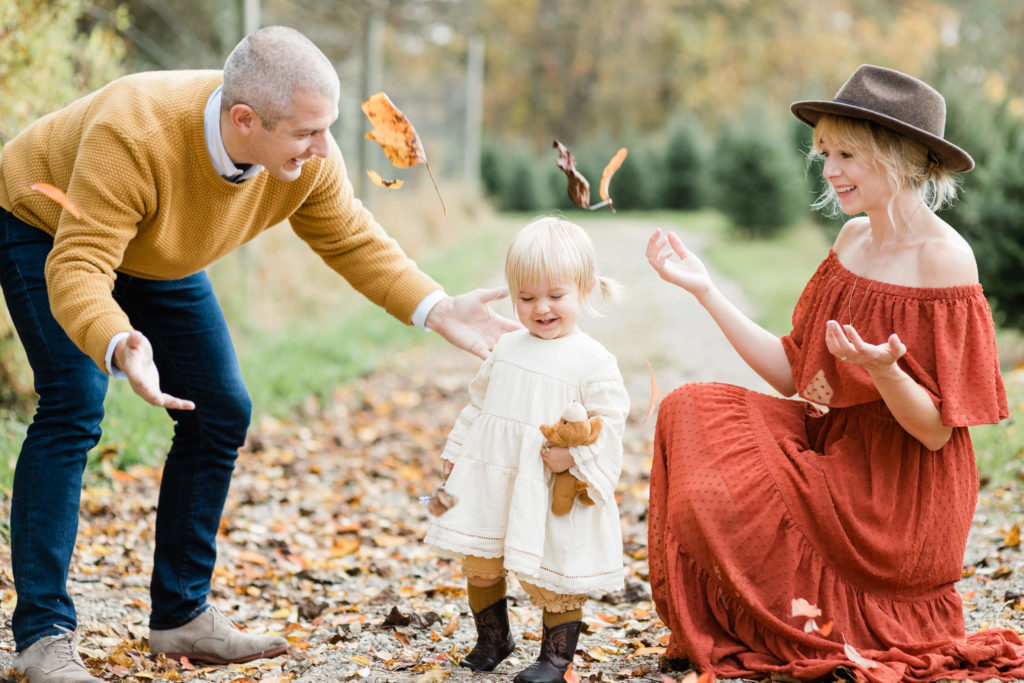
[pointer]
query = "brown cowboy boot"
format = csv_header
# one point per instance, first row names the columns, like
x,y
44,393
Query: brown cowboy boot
x,y
556,652
494,639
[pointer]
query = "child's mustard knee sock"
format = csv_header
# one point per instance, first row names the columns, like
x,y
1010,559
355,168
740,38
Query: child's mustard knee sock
x,y
483,597
553,619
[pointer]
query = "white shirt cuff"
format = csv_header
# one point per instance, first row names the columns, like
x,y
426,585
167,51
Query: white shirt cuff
x,y
109,357
419,316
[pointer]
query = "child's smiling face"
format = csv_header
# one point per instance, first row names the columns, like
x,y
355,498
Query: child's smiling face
x,y
549,310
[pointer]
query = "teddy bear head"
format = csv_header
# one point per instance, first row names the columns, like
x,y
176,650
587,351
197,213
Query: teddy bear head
x,y
573,429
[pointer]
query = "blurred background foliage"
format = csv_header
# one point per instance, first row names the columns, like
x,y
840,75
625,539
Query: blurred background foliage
x,y
698,90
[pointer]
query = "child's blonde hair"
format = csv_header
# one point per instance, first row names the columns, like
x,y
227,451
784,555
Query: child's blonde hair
x,y
556,249
905,162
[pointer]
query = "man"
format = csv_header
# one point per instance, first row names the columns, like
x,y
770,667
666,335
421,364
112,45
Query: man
x,y
170,171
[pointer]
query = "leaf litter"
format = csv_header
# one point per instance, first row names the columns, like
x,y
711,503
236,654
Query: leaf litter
x,y
321,542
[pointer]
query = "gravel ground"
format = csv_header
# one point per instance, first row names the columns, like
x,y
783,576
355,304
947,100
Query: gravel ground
x,y
399,614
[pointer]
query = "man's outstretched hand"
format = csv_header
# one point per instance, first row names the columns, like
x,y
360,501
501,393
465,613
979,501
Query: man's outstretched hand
x,y
134,357
467,322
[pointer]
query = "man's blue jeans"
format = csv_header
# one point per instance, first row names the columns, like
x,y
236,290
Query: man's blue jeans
x,y
193,352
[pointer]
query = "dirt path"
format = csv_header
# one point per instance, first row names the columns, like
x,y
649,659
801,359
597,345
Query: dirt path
x,y
322,537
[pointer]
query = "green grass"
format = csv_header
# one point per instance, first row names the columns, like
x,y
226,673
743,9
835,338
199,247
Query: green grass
x,y
303,338
1000,448
316,344
772,272
313,342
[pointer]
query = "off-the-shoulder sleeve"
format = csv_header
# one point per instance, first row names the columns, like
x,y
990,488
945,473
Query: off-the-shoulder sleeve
x,y
600,463
966,384
464,423
803,316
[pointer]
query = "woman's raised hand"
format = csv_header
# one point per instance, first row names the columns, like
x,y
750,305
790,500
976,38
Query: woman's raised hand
x,y
687,272
846,345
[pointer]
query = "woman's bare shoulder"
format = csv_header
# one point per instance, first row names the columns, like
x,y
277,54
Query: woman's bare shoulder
x,y
852,232
947,260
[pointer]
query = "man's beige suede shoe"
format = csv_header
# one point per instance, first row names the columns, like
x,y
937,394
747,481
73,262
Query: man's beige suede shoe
x,y
212,638
54,659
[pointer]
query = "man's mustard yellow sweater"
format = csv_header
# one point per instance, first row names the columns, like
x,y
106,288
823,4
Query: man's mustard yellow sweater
x,y
133,159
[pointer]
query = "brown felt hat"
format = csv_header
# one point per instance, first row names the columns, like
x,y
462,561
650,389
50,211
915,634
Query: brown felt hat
x,y
896,101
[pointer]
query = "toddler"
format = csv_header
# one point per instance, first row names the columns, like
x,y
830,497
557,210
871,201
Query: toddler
x,y
500,468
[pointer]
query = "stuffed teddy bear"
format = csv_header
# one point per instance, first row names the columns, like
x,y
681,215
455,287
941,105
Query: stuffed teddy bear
x,y
574,429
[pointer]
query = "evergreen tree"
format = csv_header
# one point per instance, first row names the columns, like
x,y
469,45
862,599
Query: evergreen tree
x,y
991,220
756,179
684,183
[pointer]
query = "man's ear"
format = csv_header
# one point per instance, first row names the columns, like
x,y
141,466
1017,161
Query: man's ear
x,y
243,118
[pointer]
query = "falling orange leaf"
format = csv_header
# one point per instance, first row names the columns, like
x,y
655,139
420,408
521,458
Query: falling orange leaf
x,y
396,135
654,396
570,675
58,196
609,171
392,184
1012,537
393,132
826,628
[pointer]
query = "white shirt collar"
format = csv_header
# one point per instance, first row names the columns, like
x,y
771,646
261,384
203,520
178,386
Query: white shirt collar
x,y
222,163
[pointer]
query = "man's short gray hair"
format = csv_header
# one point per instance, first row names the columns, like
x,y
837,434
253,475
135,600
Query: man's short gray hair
x,y
269,66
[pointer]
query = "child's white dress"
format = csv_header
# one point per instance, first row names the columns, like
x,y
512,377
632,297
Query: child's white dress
x,y
499,478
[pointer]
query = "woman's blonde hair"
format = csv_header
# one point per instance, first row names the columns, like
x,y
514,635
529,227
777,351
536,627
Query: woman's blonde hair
x,y
553,248
905,162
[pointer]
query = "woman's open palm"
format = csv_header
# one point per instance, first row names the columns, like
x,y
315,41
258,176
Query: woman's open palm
x,y
687,272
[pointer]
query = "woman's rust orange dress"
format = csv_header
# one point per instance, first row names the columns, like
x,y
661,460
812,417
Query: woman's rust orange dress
x,y
758,500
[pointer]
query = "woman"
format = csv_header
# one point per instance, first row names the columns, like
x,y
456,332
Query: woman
x,y
765,511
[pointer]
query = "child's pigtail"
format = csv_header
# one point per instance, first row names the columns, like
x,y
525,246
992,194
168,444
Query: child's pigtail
x,y
609,289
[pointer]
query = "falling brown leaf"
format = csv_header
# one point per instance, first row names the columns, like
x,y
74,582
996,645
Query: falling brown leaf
x,y
441,502
392,184
396,135
579,187
609,171
58,196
